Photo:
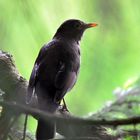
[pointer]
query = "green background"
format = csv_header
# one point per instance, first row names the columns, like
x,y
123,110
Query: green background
x,y
110,53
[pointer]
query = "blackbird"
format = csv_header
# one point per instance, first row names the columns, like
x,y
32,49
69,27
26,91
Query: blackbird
x,y
55,71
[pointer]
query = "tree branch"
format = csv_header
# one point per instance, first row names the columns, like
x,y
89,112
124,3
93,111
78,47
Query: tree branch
x,y
13,89
68,119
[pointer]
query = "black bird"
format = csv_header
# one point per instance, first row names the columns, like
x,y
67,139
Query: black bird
x,y
55,71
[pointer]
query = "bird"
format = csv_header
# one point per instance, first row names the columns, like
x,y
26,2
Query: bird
x,y
55,71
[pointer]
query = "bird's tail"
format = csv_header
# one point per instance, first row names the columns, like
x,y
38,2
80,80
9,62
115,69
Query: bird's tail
x,y
46,128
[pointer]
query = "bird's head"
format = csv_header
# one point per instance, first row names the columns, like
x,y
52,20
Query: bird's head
x,y
73,29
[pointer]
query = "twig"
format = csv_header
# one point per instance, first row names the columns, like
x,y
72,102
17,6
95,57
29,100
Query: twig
x,y
71,119
25,127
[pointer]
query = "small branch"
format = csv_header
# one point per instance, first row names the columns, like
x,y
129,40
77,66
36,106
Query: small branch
x,y
25,127
70,119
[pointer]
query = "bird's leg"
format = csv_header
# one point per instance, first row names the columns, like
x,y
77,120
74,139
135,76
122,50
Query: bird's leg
x,y
65,106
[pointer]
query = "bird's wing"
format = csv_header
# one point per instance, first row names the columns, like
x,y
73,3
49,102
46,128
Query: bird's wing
x,y
64,81
30,90
64,78
33,77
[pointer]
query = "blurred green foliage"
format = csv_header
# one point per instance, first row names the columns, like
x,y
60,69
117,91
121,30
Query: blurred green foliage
x,y
110,52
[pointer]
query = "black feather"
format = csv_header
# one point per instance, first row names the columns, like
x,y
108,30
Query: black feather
x,y
55,72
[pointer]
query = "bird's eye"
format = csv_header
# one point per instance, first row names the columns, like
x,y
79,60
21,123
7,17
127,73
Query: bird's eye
x,y
78,26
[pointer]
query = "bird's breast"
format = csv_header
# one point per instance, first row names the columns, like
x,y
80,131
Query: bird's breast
x,y
73,57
